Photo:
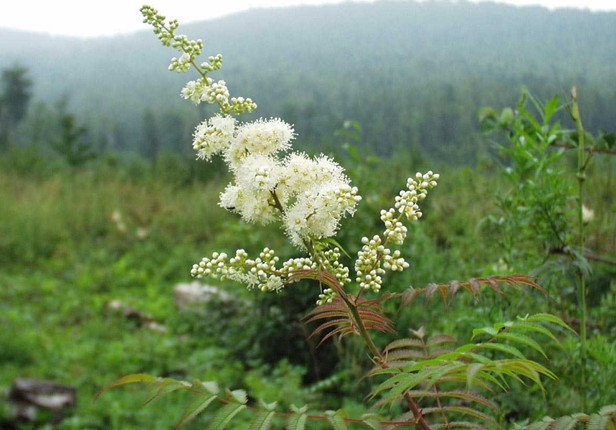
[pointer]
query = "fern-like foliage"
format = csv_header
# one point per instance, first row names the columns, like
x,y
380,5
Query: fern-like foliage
x,y
338,318
208,394
225,406
605,419
450,384
448,291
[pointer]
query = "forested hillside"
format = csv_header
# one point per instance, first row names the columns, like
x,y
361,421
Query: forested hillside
x,y
410,73
273,287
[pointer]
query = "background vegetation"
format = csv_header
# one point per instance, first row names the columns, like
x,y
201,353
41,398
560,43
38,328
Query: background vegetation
x,y
103,208
414,74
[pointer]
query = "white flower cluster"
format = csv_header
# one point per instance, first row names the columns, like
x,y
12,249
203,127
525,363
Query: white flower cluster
x,y
206,90
417,190
163,31
190,50
375,257
309,196
330,260
368,264
213,135
261,272
214,62
327,296
317,211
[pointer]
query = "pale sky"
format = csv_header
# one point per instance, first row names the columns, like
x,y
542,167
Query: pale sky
x,y
87,18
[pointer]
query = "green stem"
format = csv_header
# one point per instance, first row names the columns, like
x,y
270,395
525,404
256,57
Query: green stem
x,y
581,177
420,420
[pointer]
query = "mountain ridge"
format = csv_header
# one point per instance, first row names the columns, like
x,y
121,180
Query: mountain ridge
x,y
410,68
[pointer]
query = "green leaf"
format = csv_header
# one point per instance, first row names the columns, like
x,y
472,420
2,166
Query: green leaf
x,y
490,331
195,408
166,386
225,415
550,319
541,425
564,423
480,372
336,419
467,396
608,410
239,396
210,386
535,327
507,349
520,338
268,406
373,421
263,420
597,422
462,410
297,421
130,379
551,108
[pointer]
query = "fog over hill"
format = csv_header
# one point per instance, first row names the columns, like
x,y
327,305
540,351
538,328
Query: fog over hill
x,y
411,73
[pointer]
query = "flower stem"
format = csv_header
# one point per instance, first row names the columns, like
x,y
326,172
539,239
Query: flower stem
x,y
581,177
419,419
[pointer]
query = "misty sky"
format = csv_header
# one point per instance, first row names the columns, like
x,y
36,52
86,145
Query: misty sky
x,y
85,18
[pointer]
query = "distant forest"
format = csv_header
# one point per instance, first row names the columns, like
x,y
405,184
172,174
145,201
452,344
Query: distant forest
x,y
413,74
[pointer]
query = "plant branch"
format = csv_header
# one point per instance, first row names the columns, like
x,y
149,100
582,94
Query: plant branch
x,y
581,177
420,420
589,150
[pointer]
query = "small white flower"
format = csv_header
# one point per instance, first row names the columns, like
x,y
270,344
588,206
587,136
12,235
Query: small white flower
x,y
213,136
587,214
258,172
264,136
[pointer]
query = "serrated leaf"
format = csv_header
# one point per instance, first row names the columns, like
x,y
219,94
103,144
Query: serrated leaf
x,y
476,374
297,421
440,339
536,328
404,354
597,422
490,331
457,425
541,317
461,410
410,295
268,406
475,287
129,379
299,410
195,408
523,339
467,396
538,426
507,349
225,414
165,386
336,419
239,396
404,343
564,423
211,387
263,420
373,421
607,410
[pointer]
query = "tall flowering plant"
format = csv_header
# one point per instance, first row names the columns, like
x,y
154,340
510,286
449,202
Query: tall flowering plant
x,y
434,388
